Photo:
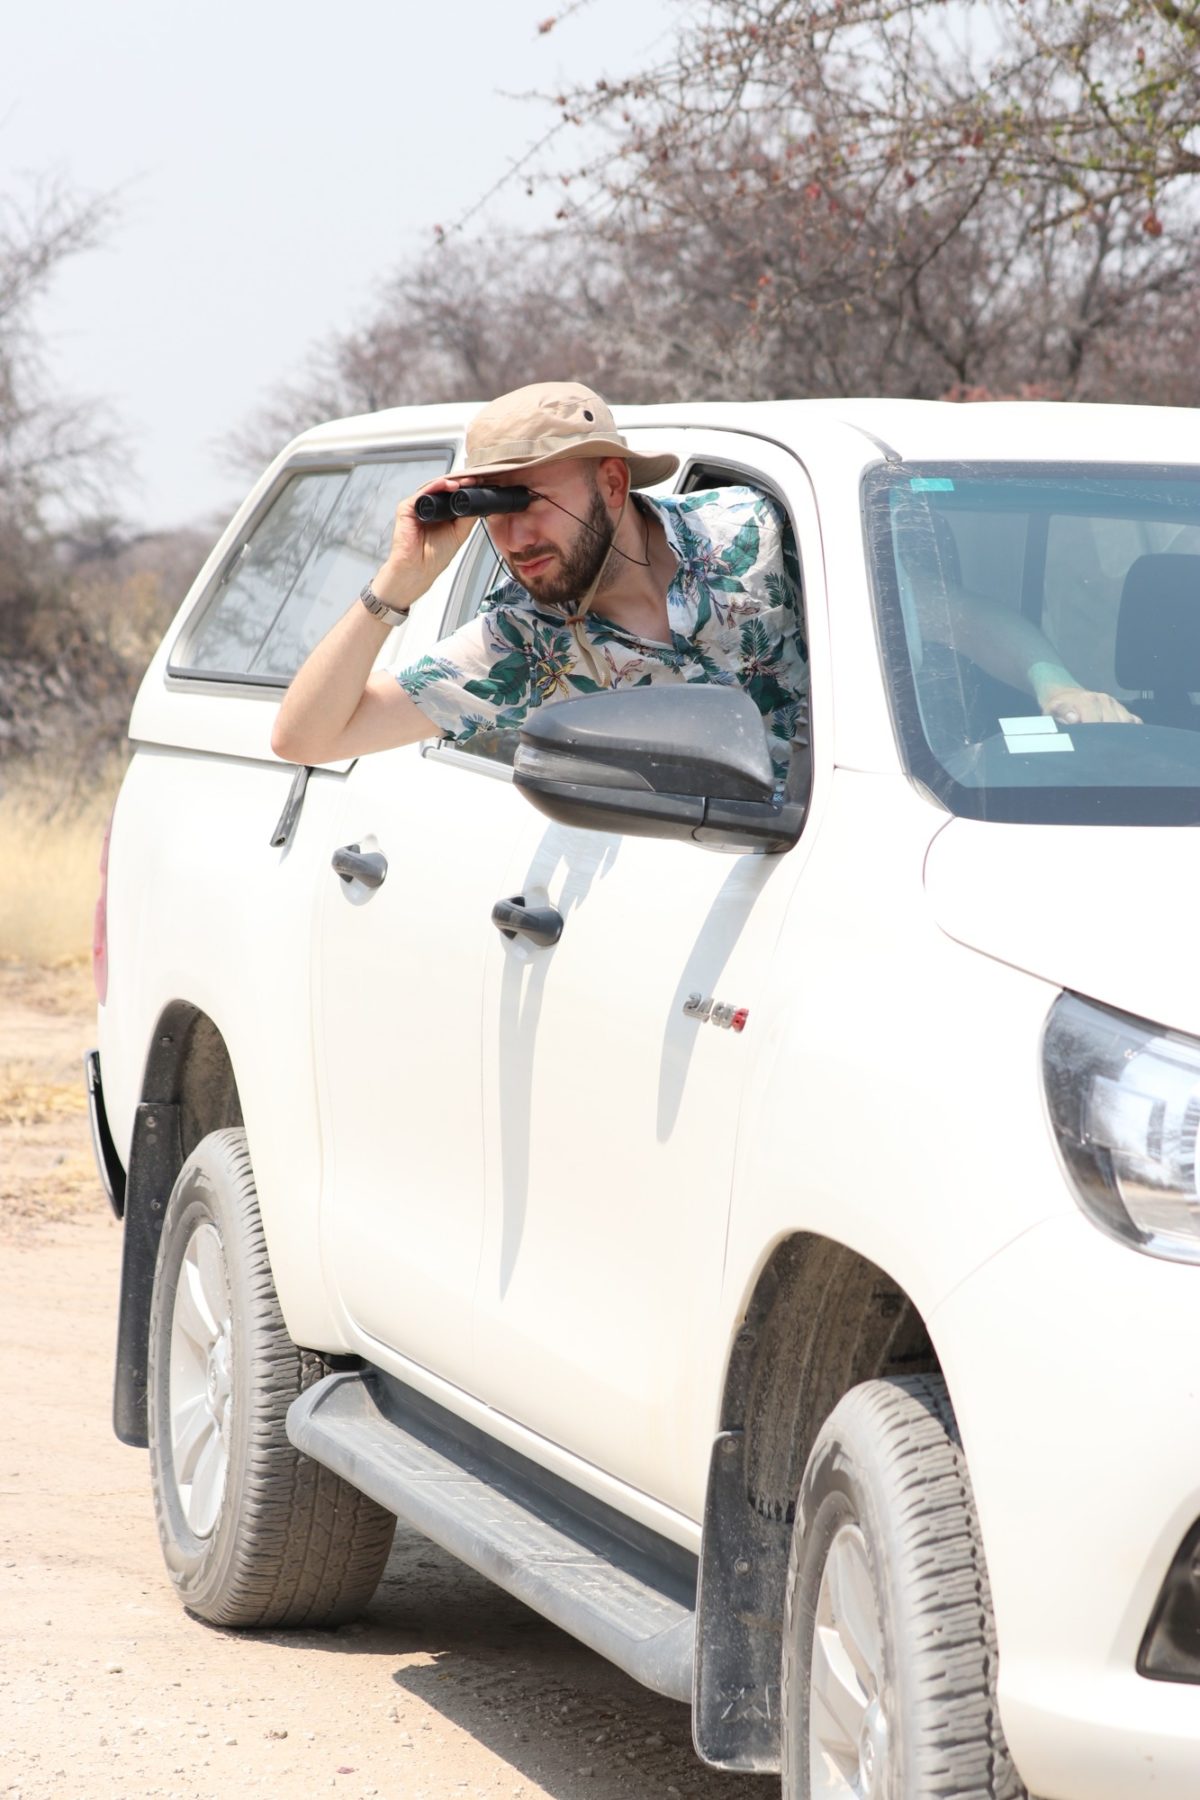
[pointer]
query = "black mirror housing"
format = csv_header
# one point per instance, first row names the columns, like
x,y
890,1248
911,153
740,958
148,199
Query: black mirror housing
x,y
688,761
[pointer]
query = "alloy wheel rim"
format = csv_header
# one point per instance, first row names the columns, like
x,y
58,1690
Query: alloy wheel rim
x,y
847,1726
200,1399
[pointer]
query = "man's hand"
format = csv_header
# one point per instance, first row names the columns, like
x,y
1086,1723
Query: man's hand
x,y
1080,706
419,552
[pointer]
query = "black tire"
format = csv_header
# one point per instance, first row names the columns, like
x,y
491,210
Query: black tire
x,y
283,1541
887,1481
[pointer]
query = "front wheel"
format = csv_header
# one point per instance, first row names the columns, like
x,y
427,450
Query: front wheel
x,y
253,1533
889,1653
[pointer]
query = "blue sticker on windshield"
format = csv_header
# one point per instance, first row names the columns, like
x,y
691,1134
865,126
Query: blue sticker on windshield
x,y
931,484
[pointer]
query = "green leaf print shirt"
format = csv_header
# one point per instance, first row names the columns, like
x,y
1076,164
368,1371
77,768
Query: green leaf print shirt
x,y
733,607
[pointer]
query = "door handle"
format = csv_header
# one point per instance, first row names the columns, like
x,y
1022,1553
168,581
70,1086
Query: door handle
x,y
353,865
540,924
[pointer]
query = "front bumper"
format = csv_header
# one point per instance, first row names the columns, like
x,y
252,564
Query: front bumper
x,y
112,1174
1074,1364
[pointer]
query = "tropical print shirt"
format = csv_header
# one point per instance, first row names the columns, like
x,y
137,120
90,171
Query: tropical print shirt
x,y
734,612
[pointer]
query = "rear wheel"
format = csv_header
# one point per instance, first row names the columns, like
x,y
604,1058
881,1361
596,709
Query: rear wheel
x,y
889,1659
253,1533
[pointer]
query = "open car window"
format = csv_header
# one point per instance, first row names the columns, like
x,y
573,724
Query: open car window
x,y
481,572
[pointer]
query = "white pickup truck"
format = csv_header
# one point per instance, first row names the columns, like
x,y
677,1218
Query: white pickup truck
x,y
780,1267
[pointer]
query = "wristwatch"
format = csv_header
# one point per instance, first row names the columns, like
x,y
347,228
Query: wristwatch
x,y
375,605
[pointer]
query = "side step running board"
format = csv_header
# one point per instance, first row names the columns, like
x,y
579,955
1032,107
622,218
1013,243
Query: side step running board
x,y
628,1594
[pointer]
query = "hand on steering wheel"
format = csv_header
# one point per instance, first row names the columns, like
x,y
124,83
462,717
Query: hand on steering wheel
x,y
1081,706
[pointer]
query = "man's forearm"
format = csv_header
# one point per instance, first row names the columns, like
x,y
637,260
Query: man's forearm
x,y
1013,649
1003,642
327,687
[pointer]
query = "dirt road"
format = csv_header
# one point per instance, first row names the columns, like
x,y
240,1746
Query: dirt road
x,y
447,1689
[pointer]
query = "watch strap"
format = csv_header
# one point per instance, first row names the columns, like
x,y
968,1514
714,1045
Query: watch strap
x,y
374,604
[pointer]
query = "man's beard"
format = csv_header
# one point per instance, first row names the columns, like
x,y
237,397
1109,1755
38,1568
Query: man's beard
x,y
580,565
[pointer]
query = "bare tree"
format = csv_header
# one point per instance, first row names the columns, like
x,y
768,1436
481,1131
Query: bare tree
x,y
903,196
1097,101
892,196
51,449
467,321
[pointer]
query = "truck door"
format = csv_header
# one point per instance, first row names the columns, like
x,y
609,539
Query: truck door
x,y
611,1110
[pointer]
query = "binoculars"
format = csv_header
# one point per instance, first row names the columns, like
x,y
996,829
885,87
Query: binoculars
x,y
471,503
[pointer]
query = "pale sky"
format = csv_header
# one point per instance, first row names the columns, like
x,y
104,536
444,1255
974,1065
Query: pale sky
x,y
276,162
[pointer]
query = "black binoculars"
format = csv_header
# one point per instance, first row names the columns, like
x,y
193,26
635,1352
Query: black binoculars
x,y
471,503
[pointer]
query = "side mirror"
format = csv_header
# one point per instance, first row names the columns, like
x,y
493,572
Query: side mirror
x,y
676,762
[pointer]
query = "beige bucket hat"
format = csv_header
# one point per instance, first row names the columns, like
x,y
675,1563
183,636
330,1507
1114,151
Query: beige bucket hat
x,y
547,421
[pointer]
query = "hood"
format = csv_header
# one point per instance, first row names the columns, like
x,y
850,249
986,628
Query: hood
x,y
1111,913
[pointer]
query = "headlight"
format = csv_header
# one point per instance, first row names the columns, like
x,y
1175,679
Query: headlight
x,y
1124,1100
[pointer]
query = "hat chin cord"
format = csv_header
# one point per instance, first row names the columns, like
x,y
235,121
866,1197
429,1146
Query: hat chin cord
x,y
578,616
580,613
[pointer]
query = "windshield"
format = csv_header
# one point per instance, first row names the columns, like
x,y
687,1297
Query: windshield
x,y
1027,613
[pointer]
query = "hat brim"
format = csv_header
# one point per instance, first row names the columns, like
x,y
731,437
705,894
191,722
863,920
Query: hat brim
x,y
644,471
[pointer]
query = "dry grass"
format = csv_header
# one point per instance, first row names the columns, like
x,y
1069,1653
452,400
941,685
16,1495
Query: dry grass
x,y
27,1098
47,1020
52,821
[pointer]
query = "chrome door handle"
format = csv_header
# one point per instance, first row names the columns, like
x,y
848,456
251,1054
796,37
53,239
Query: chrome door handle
x,y
540,924
352,864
